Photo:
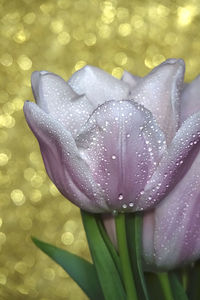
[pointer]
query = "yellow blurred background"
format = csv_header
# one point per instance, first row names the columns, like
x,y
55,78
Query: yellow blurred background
x,y
62,36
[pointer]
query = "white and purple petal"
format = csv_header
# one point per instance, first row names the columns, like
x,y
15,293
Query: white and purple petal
x,y
190,102
159,92
175,225
132,80
54,96
122,144
98,86
62,160
175,162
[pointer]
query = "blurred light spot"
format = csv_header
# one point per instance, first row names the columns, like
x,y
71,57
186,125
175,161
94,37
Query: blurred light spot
x,y
1,222
3,96
35,196
67,238
108,12
3,136
137,22
122,13
104,31
158,59
3,279
170,38
49,274
29,173
20,267
6,60
2,238
56,26
18,103
53,189
70,225
23,290
186,14
20,36
7,121
121,58
63,38
90,39
29,18
24,62
148,63
80,64
36,181
117,72
26,223
124,29
18,197
35,157
46,7
3,159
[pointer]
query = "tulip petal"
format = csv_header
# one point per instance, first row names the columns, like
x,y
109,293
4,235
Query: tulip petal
x,y
122,144
177,220
98,86
57,98
132,80
160,91
175,162
190,102
62,160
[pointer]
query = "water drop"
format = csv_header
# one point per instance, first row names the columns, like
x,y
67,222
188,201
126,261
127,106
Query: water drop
x,y
113,156
121,197
114,213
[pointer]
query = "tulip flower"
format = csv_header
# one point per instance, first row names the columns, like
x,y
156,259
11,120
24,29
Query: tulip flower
x,y
115,145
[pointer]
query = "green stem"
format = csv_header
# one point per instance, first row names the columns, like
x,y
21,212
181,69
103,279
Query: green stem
x,y
124,257
165,284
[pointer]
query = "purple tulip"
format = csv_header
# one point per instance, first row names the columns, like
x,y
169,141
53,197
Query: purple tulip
x,y
115,145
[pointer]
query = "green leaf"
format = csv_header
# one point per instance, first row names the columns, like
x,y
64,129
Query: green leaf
x,y
194,280
154,288
80,270
164,280
106,269
177,289
134,234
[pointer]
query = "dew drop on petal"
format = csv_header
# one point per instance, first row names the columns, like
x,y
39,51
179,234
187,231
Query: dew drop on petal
x,y
121,197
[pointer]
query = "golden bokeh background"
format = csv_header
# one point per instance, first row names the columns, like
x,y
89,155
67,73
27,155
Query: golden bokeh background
x,y
62,36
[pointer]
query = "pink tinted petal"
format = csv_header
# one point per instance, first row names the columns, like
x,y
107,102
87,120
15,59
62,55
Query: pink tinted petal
x,y
190,102
109,224
160,91
132,80
175,162
177,222
120,144
57,98
62,160
148,239
98,85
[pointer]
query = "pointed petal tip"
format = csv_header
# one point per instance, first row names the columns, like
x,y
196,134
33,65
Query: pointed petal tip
x,y
178,63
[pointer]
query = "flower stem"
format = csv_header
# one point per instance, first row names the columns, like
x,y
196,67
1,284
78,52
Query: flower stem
x,y
165,284
124,257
